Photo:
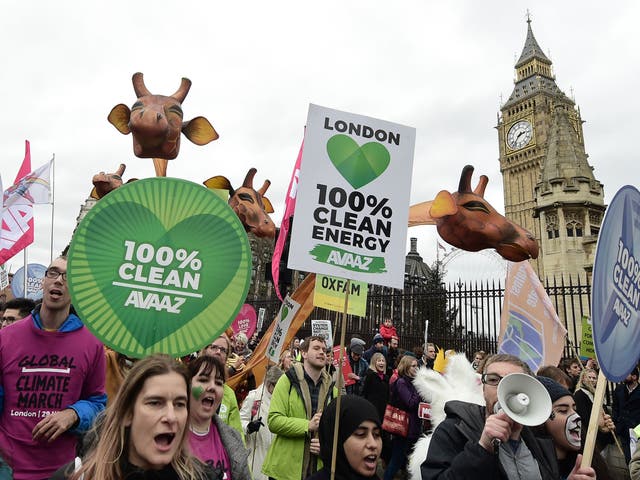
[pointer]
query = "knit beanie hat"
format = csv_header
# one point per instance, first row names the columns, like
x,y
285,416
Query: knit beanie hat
x,y
555,390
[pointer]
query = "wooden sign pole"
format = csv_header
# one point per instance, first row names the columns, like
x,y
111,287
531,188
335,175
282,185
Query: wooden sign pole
x,y
340,383
590,442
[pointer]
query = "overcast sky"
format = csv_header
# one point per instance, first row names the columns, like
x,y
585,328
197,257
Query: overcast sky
x,y
441,67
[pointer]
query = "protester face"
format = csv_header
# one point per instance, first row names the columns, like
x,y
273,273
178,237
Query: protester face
x,y
287,360
381,365
574,370
363,448
591,378
157,421
240,346
393,343
631,379
431,352
493,375
315,357
329,358
55,292
413,368
206,393
564,425
296,343
10,316
387,322
218,349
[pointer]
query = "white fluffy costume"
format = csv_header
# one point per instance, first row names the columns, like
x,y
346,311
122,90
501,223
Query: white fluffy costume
x,y
459,382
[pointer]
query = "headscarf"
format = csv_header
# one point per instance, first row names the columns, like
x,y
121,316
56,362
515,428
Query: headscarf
x,y
353,411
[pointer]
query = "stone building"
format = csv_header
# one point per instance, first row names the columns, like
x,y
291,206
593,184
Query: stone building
x,y
549,186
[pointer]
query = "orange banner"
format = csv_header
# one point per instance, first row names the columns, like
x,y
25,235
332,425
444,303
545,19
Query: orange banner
x,y
258,362
529,325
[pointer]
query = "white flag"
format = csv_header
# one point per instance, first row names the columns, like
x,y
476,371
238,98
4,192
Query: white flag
x,y
32,188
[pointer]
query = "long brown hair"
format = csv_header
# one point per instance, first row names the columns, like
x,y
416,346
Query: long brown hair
x,y
103,461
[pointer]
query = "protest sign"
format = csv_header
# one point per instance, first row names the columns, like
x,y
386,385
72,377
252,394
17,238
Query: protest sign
x,y
587,349
287,311
329,293
323,328
35,274
529,325
353,198
246,321
261,312
615,299
159,265
345,367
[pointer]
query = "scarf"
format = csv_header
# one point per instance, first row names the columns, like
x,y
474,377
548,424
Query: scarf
x,y
353,411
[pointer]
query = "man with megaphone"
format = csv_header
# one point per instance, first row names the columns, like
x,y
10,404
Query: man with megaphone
x,y
495,441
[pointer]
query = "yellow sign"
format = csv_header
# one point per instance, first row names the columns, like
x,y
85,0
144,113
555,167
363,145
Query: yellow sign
x,y
587,348
330,292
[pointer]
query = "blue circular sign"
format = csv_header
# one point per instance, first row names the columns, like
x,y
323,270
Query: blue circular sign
x,y
615,299
35,274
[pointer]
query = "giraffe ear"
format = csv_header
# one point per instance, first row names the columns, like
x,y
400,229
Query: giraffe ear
x,y
443,205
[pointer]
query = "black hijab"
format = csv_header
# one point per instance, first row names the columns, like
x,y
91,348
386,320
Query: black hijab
x,y
353,411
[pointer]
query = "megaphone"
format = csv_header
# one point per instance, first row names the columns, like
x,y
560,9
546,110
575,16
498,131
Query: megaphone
x,y
524,399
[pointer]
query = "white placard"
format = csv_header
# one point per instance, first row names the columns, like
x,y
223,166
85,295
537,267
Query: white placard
x,y
323,328
261,312
353,198
4,276
288,310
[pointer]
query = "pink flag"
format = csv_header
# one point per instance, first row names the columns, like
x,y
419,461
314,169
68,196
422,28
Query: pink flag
x,y
289,208
529,326
17,221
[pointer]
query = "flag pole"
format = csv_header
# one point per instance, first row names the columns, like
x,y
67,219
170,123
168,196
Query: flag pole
x,y
24,270
340,381
53,204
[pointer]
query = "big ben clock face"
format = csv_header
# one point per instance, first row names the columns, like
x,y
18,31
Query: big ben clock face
x,y
519,135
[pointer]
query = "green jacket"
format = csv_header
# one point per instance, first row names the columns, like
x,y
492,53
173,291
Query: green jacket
x,y
229,412
289,414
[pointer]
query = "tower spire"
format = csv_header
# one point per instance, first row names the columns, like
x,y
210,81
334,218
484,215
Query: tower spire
x,y
531,48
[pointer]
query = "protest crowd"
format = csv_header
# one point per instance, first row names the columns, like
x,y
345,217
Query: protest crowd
x,y
111,417
73,406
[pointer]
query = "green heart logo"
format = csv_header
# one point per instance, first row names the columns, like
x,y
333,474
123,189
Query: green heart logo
x,y
358,165
285,313
162,265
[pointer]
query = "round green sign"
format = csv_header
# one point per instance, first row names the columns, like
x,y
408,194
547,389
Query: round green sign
x,y
159,265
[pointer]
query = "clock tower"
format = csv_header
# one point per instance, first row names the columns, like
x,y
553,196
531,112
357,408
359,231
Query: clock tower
x,y
549,186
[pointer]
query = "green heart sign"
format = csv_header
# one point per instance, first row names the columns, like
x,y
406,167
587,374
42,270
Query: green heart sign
x,y
159,265
358,165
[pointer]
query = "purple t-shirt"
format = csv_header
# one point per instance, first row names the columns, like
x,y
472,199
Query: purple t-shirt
x,y
42,373
210,450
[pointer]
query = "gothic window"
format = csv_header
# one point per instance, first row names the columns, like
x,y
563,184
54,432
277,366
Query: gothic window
x,y
552,226
574,224
574,229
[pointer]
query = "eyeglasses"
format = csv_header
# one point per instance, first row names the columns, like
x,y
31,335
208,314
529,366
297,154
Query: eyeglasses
x,y
53,274
9,319
491,379
217,348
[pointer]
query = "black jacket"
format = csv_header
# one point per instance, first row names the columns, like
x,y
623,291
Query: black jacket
x,y
376,390
626,414
454,451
